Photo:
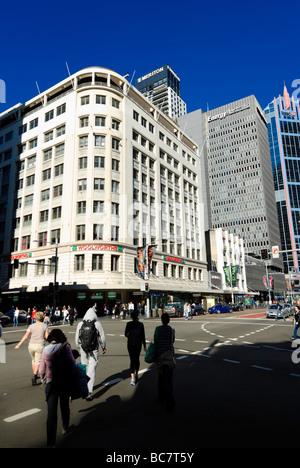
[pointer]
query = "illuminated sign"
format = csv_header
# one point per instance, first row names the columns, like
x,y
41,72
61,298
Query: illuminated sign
x,y
172,259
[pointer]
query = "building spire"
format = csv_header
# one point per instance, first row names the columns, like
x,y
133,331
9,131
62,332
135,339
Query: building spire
x,y
286,98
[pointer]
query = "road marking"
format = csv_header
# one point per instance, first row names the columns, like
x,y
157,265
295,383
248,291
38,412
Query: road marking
x,y
295,375
16,417
263,368
230,360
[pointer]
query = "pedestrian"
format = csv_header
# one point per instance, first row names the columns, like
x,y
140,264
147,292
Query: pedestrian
x,y
34,311
16,317
296,321
57,315
38,333
64,314
28,316
185,311
71,315
56,370
135,334
89,337
163,340
279,312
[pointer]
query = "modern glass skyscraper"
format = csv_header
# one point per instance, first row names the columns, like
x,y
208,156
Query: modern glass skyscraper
x,y
283,117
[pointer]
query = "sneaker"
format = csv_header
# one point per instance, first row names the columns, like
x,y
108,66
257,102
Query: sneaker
x,y
132,382
89,397
33,380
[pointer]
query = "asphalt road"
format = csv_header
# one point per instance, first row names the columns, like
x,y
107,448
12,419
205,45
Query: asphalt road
x,y
236,385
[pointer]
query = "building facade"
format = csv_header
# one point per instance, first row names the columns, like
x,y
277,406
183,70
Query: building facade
x,y
89,172
283,117
162,87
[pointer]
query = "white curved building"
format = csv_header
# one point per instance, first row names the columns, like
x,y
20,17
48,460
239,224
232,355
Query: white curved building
x,y
90,170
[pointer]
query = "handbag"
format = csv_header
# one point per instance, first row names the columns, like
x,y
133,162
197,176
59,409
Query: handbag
x,y
150,352
79,387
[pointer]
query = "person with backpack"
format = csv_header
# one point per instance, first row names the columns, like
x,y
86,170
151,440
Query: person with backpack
x,y
89,337
135,334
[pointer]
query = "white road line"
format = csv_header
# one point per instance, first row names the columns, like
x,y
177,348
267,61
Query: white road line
x,y
263,368
230,360
16,417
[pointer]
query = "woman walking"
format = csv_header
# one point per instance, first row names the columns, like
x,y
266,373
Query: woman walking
x,y
135,334
56,366
38,333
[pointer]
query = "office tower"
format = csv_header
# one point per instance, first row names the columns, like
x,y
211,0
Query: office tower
x,y
283,117
240,186
162,88
89,172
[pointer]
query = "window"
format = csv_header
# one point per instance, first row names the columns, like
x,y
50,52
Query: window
x,y
48,136
115,209
29,200
135,115
115,165
99,121
42,241
33,123
49,115
115,124
83,141
58,170
114,263
84,122
98,184
99,161
60,150
55,236
81,207
48,154
82,163
25,242
115,186
80,232
115,103
61,130
23,268
45,195
115,143
82,184
56,212
100,99
85,100
40,267
27,220
22,129
98,206
30,180
46,174
79,262
114,233
97,262
57,191
33,143
98,232
100,141
44,216
61,109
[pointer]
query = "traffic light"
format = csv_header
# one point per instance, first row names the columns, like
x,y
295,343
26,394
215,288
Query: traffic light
x,y
16,263
265,254
146,287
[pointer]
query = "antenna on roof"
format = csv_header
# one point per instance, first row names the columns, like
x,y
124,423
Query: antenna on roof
x,y
42,101
130,81
69,74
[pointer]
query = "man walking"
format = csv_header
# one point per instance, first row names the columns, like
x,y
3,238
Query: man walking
x,y
89,337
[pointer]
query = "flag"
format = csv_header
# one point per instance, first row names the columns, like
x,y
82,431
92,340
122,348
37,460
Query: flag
x,y
151,252
140,261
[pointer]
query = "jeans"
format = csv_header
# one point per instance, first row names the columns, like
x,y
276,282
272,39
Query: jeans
x,y
295,331
15,321
52,396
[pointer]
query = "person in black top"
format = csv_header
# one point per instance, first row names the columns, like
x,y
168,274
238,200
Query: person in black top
x,y
296,321
135,334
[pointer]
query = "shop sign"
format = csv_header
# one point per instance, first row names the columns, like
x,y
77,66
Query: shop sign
x,y
169,258
113,248
23,255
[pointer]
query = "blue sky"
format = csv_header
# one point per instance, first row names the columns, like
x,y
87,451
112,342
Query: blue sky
x,y
222,51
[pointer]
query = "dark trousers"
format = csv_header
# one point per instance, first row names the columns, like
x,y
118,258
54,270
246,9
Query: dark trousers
x,y
134,354
52,397
165,386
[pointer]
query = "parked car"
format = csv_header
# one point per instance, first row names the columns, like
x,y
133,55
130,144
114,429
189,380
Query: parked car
x,y
272,311
197,309
22,316
219,309
4,319
174,309
236,307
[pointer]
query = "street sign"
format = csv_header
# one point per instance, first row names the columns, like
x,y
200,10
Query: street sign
x,y
275,251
